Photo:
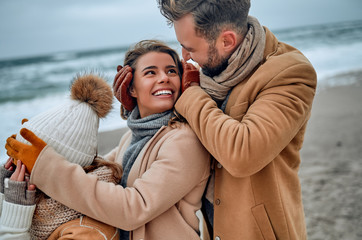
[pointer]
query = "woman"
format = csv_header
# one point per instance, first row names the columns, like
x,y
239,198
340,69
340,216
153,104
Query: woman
x,y
165,166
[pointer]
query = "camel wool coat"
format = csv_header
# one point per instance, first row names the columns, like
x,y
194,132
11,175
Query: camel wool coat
x,y
165,186
256,145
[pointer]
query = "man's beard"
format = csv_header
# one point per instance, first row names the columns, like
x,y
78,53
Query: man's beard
x,y
216,64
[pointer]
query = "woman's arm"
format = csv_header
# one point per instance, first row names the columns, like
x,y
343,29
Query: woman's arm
x,y
181,164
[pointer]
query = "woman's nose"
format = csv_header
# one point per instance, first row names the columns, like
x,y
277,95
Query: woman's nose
x,y
163,78
185,55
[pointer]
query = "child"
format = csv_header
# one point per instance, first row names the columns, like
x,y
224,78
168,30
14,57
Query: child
x,y
71,129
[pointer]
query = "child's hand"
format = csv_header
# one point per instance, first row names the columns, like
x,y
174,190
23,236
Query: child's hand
x,y
19,173
9,164
5,172
20,176
16,190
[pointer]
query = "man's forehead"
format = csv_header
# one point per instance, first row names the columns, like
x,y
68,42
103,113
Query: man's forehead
x,y
185,25
185,31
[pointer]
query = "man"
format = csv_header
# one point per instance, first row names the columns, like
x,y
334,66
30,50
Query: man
x,y
250,113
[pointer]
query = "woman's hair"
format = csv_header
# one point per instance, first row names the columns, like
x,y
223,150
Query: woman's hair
x,y
210,16
146,46
143,47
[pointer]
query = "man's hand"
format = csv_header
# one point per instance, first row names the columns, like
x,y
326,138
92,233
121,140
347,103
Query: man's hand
x,y
121,83
190,76
24,152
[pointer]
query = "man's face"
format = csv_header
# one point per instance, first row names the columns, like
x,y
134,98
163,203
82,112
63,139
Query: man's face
x,y
195,47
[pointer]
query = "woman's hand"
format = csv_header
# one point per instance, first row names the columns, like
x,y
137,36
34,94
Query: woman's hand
x,y
121,83
25,152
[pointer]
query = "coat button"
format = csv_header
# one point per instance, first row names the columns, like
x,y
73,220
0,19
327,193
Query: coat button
x,y
217,201
217,238
218,165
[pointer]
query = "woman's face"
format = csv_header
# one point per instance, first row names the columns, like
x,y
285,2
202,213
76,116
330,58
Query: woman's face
x,y
156,83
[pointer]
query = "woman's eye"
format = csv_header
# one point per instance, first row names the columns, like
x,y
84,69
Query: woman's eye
x,y
150,73
172,71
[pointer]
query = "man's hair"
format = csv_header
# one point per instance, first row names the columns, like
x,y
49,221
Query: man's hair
x,y
210,16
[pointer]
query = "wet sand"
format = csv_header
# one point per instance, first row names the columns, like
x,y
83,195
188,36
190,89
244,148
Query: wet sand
x,y
331,169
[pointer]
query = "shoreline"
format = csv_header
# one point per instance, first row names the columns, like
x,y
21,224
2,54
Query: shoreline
x,y
331,165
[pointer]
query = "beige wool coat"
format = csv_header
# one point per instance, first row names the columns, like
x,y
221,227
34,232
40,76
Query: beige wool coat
x,y
256,144
165,183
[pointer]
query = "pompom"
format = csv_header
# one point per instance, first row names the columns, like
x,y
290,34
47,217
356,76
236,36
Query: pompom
x,y
95,91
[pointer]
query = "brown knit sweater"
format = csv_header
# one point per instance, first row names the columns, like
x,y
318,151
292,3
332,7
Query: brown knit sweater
x,y
50,214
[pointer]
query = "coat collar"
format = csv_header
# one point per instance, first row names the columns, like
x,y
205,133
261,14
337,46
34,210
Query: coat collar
x,y
271,44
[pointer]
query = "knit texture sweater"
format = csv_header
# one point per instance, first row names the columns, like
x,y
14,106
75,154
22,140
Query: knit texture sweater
x,y
49,214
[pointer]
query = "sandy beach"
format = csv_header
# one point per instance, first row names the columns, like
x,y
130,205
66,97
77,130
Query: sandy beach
x,y
331,169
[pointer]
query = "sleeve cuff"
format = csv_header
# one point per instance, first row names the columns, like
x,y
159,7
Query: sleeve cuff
x,y
17,216
2,197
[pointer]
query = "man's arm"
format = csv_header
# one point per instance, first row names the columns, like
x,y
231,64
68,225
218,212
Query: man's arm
x,y
272,120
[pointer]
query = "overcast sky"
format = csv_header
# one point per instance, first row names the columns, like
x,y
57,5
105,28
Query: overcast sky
x,y
37,27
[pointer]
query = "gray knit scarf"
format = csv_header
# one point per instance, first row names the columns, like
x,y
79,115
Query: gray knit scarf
x,y
246,57
143,130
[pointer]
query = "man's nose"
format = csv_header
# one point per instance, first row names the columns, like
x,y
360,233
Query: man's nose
x,y
185,55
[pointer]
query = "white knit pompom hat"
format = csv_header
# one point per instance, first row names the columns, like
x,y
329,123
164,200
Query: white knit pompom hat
x,y
72,128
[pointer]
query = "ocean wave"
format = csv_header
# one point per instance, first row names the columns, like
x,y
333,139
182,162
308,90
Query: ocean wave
x,y
32,85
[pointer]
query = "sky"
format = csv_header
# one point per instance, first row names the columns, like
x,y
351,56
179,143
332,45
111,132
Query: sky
x,y
39,27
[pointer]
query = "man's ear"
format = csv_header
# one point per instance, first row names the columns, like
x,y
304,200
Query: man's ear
x,y
229,40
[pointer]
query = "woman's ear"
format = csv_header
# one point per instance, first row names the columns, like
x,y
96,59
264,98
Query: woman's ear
x,y
132,92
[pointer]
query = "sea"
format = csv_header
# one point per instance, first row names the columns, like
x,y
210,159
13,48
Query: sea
x,y
34,84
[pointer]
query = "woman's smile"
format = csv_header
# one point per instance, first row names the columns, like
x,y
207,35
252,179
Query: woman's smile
x,y
163,92
156,85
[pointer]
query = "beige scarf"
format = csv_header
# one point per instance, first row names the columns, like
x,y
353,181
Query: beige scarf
x,y
246,57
